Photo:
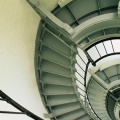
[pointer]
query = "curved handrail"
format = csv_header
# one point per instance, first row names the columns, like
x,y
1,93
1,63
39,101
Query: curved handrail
x,y
23,110
105,49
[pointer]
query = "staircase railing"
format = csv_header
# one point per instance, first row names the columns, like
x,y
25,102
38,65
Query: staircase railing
x,y
21,109
81,66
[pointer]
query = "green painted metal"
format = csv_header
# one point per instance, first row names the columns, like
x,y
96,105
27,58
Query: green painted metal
x,y
99,80
50,18
62,3
55,72
59,35
110,106
105,102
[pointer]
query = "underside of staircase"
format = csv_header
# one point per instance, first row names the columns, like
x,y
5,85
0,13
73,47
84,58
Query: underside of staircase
x,y
64,39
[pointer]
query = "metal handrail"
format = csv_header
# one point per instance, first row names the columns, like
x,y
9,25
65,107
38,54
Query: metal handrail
x,y
83,89
23,110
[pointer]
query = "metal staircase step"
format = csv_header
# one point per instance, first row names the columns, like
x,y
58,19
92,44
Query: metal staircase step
x,y
97,95
66,108
49,66
54,62
96,91
102,112
57,94
51,40
98,103
97,86
50,78
55,73
57,84
84,117
61,99
105,116
93,98
99,108
53,55
55,89
72,115
55,50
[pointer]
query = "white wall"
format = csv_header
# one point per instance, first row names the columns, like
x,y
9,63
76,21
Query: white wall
x,y
18,28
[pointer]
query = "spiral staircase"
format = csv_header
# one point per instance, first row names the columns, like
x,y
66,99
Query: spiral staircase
x,y
68,45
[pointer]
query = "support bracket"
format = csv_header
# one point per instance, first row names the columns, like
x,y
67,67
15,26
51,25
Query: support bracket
x,y
50,19
48,115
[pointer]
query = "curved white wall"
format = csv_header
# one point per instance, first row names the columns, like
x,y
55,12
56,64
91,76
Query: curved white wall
x,y
18,28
